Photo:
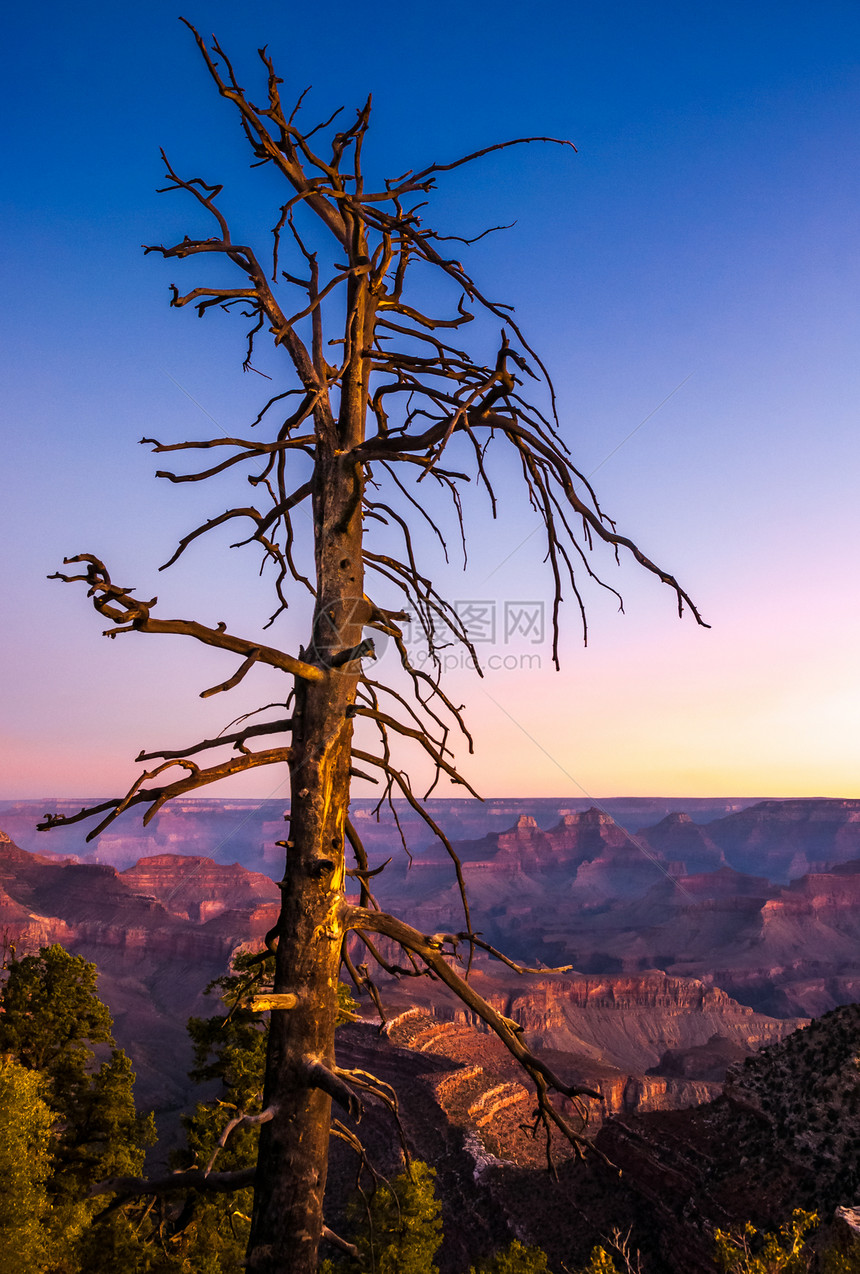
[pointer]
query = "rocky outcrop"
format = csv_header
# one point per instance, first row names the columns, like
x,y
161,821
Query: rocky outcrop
x,y
584,858
785,839
780,839
630,1021
789,950
155,955
573,889
27,930
846,1228
808,1089
246,830
488,1094
682,1171
578,837
678,837
785,1136
621,1022
708,1061
199,889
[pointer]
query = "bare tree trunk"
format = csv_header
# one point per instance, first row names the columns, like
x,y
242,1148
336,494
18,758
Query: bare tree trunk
x,y
293,1155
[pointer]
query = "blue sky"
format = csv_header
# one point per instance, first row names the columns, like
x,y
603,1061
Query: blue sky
x,y
700,251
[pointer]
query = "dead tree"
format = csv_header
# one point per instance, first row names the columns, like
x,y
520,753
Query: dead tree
x,y
381,397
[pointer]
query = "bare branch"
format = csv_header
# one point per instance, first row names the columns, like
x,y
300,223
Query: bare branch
x,y
193,1179
240,1121
224,740
118,605
403,394
432,951
337,1241
158,796
512,964
318,1075
235,679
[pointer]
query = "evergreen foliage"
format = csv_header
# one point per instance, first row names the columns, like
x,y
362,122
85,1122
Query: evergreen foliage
x,y
398,1228
50,1020
208,1234
787,1251
515,1259
745,1252
25,1167
52,1014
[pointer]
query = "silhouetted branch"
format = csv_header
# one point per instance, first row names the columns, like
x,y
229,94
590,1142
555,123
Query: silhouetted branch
x,y
193,1179
223,740
133,615
158,796
400,403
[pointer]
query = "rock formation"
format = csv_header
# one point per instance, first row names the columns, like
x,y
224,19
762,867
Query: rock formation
x,y
785,839
199,889
651,1019
156,947
678,837
754,1155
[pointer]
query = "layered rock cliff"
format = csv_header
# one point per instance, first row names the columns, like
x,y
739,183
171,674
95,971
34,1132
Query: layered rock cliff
x,y
785,1136
678,837
247,830
197,888
626,1022
156,945
785,839
488,1095
587,848
650,1039
587,894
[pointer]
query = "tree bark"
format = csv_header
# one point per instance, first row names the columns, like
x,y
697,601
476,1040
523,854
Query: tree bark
x,y
287,1221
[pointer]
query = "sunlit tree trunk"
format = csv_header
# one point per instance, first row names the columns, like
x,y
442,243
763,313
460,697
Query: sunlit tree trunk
x,y
293,1155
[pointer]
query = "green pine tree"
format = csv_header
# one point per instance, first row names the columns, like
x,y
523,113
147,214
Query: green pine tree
x,y
745,1252
26,1160
50,1021
397,1229
515,1259
209,1234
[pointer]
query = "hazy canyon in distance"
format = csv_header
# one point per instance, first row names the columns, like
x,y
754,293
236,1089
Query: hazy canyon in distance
x,y
698,932
646,899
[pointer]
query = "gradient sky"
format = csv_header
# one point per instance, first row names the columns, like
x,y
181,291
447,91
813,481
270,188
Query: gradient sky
x,y
694,267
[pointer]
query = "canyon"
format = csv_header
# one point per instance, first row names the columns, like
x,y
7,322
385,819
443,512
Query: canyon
x,y
693,949
245,831
758,898
589,893
676,972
